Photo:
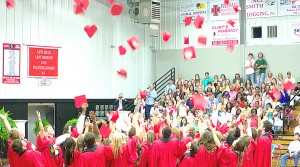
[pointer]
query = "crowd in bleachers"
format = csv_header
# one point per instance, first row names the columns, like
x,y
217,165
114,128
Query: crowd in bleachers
x,y
199,122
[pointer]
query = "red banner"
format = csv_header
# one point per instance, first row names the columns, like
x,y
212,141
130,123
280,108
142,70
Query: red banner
x,y
11,63
43,62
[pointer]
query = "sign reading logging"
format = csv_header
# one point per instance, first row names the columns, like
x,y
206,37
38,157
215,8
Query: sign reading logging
x,y
43,62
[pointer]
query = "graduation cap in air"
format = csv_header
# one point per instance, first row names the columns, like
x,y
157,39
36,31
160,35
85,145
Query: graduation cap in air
x,y
187,20
90,30
79,100
202,40
10,4
199,21
116,9
143,94
189,53
122,50
230,48
80,6
166,36
113,116
133,42
122,73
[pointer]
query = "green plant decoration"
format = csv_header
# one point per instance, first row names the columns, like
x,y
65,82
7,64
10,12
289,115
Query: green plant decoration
x,y
37,129
73,121
3,131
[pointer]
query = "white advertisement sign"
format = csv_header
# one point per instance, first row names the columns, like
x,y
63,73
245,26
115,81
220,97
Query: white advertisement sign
x,y
261,8
288,7
220,11
295,31
192,9
225,34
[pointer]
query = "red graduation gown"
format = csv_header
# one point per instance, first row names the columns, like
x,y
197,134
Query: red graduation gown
x,y
226,157
182,145
164,153
96,158
188,161
207,159
74,163
145,154
31,159
132,147
263,151
12,156
123,158
43,146
248,159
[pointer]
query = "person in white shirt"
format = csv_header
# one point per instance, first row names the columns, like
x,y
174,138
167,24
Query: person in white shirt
x,y
153,108
249,66
297,128
182,109
290,78
294,149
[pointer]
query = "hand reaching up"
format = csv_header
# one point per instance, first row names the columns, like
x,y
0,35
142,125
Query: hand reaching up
x,y
93,116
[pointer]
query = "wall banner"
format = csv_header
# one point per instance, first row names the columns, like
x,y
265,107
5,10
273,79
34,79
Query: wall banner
x,y
11,63
295,31
224,34
261,8
288,7
192,9
42,62
220,11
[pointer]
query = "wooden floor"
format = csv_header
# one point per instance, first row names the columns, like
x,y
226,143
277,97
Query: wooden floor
x,y
285,140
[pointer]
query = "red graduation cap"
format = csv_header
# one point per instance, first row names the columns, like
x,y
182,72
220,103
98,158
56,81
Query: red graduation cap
x,y
199,102
199,21
202,40
79,100
80,6
166,36
294,1
113,116
143,94
116,9
288,86
187,20
122,50
105,131
90,30
275,94
236,7
189,53
10,4
133,42
186,40
230,48
110,1
231,22
197,136
226,1
123,73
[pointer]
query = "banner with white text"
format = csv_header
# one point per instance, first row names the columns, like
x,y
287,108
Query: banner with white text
x,y
261,8
225,34
192,9
220,11
288,7
295,31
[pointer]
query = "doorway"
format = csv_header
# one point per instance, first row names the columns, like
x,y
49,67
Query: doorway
x,y
47,111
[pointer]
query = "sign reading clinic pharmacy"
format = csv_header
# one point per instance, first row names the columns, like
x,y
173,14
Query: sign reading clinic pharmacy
x,y
261,8
224,34
220,11
192,9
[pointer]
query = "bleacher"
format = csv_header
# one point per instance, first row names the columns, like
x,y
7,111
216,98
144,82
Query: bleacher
x,y
285,140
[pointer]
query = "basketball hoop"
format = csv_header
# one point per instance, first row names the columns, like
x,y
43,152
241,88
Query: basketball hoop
x,y
44,81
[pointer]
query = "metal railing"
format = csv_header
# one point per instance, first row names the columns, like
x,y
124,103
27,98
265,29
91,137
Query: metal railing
x,y
159,86
284,107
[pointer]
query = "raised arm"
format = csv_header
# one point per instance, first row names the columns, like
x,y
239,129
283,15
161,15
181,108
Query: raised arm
x,y
6,123
41,127
80,122
216,139
95,127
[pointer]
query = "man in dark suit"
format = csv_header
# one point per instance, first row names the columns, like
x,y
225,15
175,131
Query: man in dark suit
x,y
120,103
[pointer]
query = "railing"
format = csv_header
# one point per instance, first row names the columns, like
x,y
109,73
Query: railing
x,y
284,107
159,86
296,94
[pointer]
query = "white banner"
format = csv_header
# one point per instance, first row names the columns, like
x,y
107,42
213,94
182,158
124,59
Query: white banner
x,y
261,8
192,9
295,31
225,34
220,11
288,7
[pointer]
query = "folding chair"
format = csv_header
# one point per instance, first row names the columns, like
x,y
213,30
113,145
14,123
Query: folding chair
x,y
277,156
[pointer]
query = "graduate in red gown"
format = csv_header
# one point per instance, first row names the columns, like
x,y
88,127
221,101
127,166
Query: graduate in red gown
x,y
132,147
28,158
146,148
93,154
189,157
263,151
164,151
248,157
14,134
207,153
119,151
46,145
71,154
